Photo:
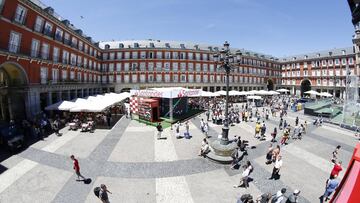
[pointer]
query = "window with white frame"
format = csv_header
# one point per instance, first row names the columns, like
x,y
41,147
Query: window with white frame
x,y
324,72
64,75
167,66
205,78
79,61
85,62
305,73
73,59
197,56
305,65
56,54
182,55
104,79
159,55
198,67
191,78
134,54
112,55
167,55
142,78
127,55
134,78
35,47
118,78
119,55
324,82
343,61
205,57
134,66
45,51
151,55
331,72
126,66
150,78
14,42
150,66
175,66
55,75
142,66
167,78
198,78
190,67
318,81
111,67
318,73
205,67
158,78
337,71
323,63
43,75
330,62
175,55
39,24
118,67
48,28
218,78
211,68
183,66
81,45
212,78
337,62
86,48
105,56
126,78
182,78
158,66
143,54
190,56
65,58
20,14
351,61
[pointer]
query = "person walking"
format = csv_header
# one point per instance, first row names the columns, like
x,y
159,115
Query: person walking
x,y
336,170
206,130
273,135
330,188
278,164
76,167
187,128
269,154
257,129
103,194
202,125
177,130
264,198
159,130
263,131
335,154
293,198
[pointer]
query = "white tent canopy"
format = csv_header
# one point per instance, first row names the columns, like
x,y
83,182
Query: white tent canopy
x,y
254,97
325,94
209,94
221,92
283,90
96,103
273,92
312,92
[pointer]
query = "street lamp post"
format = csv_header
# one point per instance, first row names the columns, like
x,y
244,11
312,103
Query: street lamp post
x,y
223,147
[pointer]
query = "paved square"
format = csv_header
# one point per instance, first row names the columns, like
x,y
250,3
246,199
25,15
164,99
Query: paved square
x,y
137,167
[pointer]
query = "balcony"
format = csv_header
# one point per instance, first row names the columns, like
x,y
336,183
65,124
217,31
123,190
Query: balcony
x,y
19,18
48,32
14,48
58,37
67,41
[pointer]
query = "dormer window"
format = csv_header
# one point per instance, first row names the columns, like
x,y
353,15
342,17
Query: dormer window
x,y
318,55
343,52
182,46
136,45
210,48
121,45
107,46
294,58
152,45
196,47
167,45
306,57
330,53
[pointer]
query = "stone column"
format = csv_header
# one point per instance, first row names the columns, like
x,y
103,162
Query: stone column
x,y
82,93
32,103
59,96
69,94
49,98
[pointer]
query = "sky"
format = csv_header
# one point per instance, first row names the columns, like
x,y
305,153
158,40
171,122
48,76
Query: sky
x,y
275,27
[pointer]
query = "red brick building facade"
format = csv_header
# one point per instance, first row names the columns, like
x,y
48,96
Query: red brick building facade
x,y
45,59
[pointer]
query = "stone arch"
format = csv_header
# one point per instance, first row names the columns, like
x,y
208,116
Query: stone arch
x,y
13,79
305,85
270,84
15,74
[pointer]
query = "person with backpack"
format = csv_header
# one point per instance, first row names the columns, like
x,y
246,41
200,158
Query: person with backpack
x,y
279,196
101,193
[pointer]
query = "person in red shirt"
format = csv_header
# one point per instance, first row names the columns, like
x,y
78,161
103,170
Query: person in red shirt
x,y
77,168
336,170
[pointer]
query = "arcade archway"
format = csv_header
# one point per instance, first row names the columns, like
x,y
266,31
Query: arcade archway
x,y
270,84
13,81
305,86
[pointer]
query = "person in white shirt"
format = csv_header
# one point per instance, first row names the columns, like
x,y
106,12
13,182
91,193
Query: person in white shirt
x,y
276,169
245,176
279,196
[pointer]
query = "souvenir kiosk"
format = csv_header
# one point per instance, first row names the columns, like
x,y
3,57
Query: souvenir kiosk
x,y
151,104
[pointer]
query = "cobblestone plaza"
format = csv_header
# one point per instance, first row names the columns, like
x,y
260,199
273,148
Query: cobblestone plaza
x,y
137,167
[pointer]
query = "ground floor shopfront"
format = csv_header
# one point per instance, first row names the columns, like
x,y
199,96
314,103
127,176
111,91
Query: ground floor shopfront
x,y
338,92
